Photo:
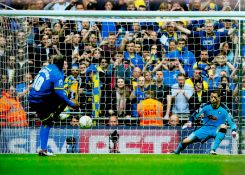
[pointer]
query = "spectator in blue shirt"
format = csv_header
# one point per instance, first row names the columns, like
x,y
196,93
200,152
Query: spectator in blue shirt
x,y
186,57
137,95
134,60
243,95
171,68
209,39
243,46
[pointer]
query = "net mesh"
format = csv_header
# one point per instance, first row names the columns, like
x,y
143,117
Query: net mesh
x,y
137,64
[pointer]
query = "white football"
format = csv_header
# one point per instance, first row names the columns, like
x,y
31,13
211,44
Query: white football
x,y
85,122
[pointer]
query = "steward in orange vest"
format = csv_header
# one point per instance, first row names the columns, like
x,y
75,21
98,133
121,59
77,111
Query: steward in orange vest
x,y
11,112
150,112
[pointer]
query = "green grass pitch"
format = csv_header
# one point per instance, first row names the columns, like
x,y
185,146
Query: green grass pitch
x,y
120,164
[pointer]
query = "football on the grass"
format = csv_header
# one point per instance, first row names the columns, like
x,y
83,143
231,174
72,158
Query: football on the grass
x,y
85,122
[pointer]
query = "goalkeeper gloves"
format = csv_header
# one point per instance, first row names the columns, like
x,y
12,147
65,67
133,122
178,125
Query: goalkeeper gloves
x,y
188,124
235,135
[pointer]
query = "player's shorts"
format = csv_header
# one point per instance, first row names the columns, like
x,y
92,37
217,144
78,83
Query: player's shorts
x,y
205,132
48,112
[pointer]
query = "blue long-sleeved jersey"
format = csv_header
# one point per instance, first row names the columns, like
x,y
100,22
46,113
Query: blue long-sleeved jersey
x,y
214,116
48,83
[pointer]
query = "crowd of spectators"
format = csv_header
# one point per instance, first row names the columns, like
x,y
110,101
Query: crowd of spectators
x,y
141,5
127,69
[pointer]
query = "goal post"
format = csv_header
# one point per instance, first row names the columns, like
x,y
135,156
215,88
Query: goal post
x,y
127,14
148,42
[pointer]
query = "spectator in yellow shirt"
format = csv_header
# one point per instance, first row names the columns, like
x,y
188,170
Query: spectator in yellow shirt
x,y
197,77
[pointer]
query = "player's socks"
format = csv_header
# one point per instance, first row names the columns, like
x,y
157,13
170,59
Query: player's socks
x,y
218,139
44,133
180,147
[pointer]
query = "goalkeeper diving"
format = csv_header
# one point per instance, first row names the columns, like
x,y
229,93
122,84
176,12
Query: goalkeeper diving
x,y
215,116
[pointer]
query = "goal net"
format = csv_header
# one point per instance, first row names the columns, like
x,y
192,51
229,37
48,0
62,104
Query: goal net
x,y
137,63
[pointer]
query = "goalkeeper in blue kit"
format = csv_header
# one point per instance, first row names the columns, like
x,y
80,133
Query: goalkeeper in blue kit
x,y
215,116
48,98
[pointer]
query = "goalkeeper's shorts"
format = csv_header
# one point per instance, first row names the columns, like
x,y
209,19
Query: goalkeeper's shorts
x,y
205,132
